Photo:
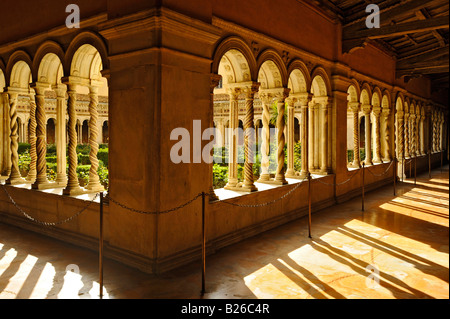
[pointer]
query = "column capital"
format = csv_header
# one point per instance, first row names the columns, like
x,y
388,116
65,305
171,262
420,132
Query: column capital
x,y
385,112
354,106
366,108
270,95
376,111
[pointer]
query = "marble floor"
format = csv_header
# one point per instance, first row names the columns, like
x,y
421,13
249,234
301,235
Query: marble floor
x,y
398,248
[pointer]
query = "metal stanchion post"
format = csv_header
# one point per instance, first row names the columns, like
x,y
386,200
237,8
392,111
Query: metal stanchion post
x,y
309,204
395,173
203,245
362,191
100,248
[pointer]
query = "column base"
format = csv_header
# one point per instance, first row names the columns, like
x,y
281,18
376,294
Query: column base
x,y
387,160
74,191
274,182
44,185
249,188
94,188
353,165
264,178
290,173
16,181
377,161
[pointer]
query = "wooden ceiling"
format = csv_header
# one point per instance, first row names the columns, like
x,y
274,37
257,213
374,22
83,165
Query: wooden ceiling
x,y
414,31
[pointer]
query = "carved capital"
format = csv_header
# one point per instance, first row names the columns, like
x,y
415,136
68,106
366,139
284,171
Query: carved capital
x,y
366,108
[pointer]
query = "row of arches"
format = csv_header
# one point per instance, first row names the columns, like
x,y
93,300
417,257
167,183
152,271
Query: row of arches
x,y
69,73
284,92
82,129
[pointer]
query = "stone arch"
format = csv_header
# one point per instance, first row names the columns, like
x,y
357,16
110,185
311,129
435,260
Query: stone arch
x,y
18,70
86,38
366,94
353,91
50,70
272,71
299,80
320,85
238,44
46,56
376,97
2,76
234,68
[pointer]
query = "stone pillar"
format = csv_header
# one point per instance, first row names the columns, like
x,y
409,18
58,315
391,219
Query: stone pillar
x,y
61,176
305,99
249,142
290,172
312,137
412,121
322,138
73,186
41,181
94,180
266,99
387,135
367,110
31,177
281,139
377,152
401,136
15,176
214,82
355,108
232,151
422,135
406,135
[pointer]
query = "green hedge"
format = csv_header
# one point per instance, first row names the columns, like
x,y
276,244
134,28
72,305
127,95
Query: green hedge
x,y
102,155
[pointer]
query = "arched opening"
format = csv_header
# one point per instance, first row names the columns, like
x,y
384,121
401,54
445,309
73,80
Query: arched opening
x,y
297,124
51,133
366,152
353,128
85,132
86,79
228,101
320,130
19,90
105,133
385,129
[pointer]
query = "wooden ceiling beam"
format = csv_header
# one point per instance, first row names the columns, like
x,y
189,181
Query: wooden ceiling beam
x,y
423,14
398,29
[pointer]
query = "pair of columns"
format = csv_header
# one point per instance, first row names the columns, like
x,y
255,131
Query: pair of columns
x,y
37,175
378,113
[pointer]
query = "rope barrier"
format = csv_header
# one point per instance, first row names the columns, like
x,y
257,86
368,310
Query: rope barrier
x,y
154,212
270,202
385,172
48,223
337,184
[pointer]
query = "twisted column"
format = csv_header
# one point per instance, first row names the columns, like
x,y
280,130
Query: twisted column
x,y
15,176
434,143
412,146
31,177
367,109
73,186
249,141
387,138
407,155
41,138
311,136
281,139
377,152
354,108
400,146
94,180
266,100
61,176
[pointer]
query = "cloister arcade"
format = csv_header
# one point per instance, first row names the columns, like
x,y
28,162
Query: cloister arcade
x,y
372,124
131,80
47,105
